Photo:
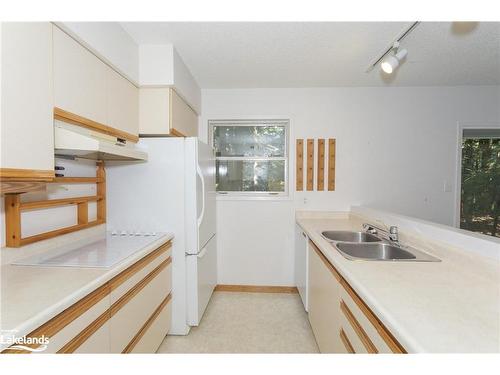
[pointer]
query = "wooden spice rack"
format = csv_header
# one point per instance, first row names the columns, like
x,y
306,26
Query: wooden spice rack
x,y
14,207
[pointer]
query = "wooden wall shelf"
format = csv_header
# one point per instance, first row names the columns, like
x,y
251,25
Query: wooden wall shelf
x,y
57,202
14,207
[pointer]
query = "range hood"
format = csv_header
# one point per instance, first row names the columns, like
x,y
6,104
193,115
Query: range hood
x,y
77,142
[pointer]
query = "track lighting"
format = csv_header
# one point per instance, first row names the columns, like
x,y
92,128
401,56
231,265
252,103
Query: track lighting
x,y
391,61
390,58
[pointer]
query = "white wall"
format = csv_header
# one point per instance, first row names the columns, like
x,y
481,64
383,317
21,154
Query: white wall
x,y
396,147
157,65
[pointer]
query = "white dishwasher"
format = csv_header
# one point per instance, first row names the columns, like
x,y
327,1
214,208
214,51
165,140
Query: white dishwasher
x,y
301,263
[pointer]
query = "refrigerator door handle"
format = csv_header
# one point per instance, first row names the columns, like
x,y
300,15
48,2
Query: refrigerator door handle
x,y
198,171
202,253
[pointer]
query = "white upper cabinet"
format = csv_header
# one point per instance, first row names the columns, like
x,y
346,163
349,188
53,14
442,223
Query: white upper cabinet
x,y
79,79
163,112
154,111
123,103
85,86
27,137
183,119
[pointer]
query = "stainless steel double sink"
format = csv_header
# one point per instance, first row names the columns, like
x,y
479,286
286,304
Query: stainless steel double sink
x,y
365,246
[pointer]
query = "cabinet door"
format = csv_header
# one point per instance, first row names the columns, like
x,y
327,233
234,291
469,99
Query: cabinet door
x,y
324,304
154,111
184,121
123,103
301,264
27,135
79,79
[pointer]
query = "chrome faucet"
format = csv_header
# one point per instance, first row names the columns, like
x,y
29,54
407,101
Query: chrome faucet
x,y
391,234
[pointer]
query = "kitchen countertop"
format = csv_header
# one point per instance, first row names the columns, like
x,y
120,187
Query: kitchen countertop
x,y
32,295
447,306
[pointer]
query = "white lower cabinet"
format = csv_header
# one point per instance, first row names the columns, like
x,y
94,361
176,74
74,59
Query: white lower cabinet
x,y
98,342
341,321
324,314
155,334
127,322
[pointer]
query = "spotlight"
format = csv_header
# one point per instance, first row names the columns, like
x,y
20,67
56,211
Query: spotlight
x,y
391,62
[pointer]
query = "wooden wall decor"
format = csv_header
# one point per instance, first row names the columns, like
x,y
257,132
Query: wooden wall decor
x,y
331,164
14,207
299,165
310,164
321,165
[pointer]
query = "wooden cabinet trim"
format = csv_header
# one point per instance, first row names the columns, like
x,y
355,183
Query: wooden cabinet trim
x,y
386,335
131,345
33,175
367,343
62,115
256,289
119,279
176,133
346,342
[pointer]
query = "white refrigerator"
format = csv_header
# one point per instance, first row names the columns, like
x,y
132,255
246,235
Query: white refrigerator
x,y
174,191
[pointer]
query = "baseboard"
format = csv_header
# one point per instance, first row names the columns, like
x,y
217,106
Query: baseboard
x,y
256,289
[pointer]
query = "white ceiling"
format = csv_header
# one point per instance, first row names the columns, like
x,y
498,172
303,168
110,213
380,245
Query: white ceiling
x,y
325,54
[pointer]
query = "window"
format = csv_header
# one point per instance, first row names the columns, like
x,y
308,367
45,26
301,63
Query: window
x,y
251,157
480,181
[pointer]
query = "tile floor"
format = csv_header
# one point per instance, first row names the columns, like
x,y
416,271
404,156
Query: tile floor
x,y
248,323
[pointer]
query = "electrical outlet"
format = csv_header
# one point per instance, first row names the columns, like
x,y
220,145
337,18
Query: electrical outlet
x,y
447,186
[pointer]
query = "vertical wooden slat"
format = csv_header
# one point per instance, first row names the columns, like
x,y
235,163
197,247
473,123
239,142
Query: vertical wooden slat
x,y
299,165
13,220
331,164
83,212
321,165
101,191
310,164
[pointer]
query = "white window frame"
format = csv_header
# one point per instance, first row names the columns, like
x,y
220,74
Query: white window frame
x,y
255,195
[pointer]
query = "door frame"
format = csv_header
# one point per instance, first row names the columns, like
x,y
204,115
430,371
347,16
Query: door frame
x,y
461,126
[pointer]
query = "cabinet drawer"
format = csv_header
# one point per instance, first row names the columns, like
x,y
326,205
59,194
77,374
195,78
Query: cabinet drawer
x,y
355,332
65,339
155,330
375,332
352,336
134,308
347,348
127,279
97,343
